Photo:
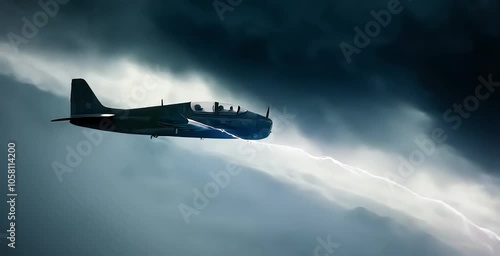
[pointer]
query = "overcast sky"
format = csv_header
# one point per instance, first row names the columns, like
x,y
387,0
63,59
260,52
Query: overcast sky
x,y
415,108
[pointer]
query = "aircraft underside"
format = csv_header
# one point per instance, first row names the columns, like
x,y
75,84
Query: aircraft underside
x,y
213,133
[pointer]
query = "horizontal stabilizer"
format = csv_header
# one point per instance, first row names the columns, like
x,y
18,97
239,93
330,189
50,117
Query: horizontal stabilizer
x,y
76,117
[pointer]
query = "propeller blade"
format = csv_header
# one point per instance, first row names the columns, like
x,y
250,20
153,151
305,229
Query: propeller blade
x,y
267,114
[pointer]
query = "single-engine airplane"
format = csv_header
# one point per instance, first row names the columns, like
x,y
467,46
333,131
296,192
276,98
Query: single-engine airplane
x,y
190,119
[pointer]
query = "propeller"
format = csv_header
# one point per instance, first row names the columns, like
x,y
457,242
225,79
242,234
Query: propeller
x,y
267,114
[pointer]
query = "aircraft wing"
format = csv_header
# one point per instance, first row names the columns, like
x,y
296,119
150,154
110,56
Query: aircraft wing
x,y
187,124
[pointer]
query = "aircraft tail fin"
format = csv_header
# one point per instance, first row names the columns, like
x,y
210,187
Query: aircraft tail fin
x,y
83,99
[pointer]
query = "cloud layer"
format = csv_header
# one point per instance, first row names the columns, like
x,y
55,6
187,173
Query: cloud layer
x,y
378,112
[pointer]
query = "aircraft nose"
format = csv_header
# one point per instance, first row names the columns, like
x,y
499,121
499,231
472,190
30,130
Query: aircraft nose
x,y
264,126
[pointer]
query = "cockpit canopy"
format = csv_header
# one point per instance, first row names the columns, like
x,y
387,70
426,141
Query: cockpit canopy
x,y
216,107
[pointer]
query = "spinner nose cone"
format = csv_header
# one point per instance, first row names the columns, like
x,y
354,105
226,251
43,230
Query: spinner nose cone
x,y
264,126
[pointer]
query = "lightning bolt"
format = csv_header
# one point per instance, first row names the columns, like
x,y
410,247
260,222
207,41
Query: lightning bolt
x,y
355,170
488,232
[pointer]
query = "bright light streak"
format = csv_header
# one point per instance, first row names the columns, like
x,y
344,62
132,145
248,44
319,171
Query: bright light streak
x,y
488,232
356,170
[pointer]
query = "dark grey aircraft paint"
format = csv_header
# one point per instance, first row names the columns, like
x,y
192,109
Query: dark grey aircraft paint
x,y
190,119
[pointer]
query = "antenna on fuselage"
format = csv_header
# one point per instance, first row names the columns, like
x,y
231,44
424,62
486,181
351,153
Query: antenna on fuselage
x,y
162,102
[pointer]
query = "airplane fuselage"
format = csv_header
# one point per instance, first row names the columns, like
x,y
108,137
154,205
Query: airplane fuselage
x,y
170,120
190,119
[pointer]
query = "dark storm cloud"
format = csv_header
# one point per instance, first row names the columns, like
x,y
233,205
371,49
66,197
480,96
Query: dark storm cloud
x,y
287,53
122,199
